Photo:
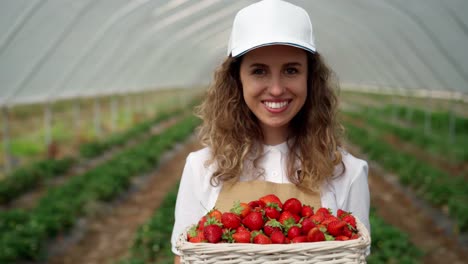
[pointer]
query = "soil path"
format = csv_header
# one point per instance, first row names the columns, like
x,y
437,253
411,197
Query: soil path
x,y
400,208
109,235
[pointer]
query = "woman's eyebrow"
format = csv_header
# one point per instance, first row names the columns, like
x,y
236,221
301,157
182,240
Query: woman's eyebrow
x,y
253,65
288,64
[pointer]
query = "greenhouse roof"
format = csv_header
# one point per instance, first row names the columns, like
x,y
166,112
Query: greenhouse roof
x,y
66,48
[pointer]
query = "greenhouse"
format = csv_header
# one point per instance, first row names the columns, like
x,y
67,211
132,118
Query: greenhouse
x,y
102,102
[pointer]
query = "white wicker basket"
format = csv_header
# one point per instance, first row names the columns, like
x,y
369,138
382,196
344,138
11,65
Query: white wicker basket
x,y
350,251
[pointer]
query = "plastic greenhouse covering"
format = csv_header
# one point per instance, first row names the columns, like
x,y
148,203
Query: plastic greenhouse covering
x,y
53,49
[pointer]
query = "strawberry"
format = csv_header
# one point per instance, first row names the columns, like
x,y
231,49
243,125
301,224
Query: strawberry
x,y
240,209
317,218
287,217
350,220
227,235
299,239
242,236
271,225
354,236
324,211
293,232
192,232
307,211
213,233
306,225
215,213
272,211
277,237
199,238
256,205
230,220
315,235
293,205
329,219
271,199
201,223
341,238
347,232
253,221
335,228
260,238
341,213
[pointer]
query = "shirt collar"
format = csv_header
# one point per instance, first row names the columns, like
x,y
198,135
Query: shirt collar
x,y
282,147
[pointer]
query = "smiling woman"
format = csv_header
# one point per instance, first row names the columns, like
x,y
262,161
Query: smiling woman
x,y
269,123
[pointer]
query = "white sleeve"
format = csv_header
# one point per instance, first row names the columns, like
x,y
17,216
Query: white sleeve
x,y
188,209
358,201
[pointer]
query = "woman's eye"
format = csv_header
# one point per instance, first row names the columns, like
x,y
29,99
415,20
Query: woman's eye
x,y
258,72
291,71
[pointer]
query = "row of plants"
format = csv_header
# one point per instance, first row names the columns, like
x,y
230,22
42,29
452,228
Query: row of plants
x,y
30,176
436,145
428,182
440,120
151,243
24,236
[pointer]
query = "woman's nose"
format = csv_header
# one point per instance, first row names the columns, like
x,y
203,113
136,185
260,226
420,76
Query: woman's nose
x,y
276,87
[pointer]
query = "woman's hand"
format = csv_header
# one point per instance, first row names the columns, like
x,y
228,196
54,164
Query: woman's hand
x,y
176,260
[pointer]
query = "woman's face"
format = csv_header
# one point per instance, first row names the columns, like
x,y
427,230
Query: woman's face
x,y
274,83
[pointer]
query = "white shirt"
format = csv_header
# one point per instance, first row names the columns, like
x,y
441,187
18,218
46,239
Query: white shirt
x,y
196,196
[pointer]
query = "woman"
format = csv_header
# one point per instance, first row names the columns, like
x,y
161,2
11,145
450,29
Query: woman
x,y
269,124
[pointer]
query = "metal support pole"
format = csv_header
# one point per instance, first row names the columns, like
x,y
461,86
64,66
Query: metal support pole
x,y
47,124
114,110
6,140
97,117
428,113
76,116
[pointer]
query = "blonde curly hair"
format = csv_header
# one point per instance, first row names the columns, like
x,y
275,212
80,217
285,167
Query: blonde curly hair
x,y
233,133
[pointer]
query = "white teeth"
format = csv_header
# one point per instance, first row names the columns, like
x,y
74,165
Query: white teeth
x,y
276,105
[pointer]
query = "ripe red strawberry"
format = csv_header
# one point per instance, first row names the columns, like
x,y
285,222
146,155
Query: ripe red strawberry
x,y
286,218
347,232
354,236
230,220
213,233
292,205
317,218
306,225
199,238
253,221
350,220
242,236
299,239
256,205
201,223
293,232
307,211
277,237
272,211
271,198
240,209
270,226
329,219
315,235
215,213
341,213
260,238
341,238
192,232
324,211
335,228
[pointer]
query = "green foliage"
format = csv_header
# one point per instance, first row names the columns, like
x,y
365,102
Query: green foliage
x,y
390,245
58,210
432,184
151,243
25,178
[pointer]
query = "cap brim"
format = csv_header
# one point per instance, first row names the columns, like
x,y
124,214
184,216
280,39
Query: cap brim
x,y
237,52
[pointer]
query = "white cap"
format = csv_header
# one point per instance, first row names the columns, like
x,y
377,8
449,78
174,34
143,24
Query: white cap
x,y
270,22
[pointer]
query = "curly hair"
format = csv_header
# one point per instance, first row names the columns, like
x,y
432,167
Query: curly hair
x,y
233,133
